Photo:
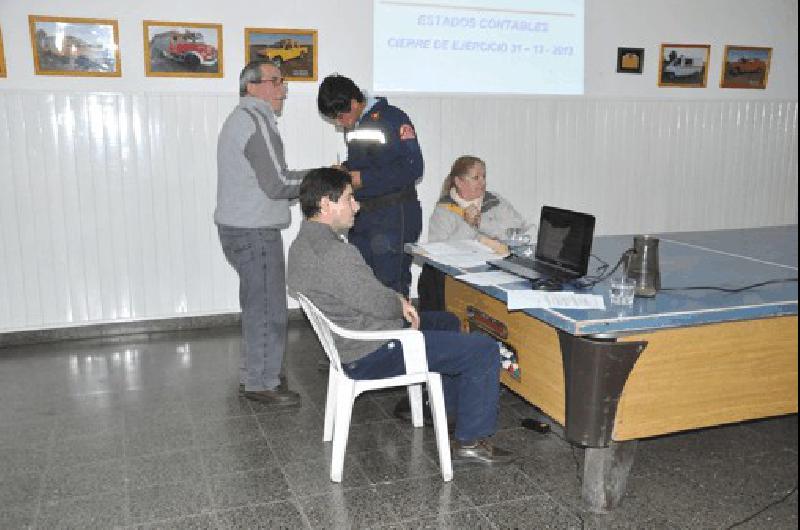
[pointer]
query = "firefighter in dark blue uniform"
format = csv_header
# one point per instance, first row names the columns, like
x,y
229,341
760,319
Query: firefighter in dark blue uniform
x,y
385,162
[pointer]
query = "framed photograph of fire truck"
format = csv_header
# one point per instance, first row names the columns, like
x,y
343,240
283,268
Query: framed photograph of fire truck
x,y
182,49
2,56
294,51
683,65
75,46
745,67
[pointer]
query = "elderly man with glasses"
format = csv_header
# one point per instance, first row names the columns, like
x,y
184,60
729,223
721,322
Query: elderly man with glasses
x,y
254,188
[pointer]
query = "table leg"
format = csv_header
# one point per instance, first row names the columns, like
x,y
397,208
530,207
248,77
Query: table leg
x,y
605,475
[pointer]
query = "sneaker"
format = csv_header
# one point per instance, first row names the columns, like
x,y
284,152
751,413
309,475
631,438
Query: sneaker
x,y
480,452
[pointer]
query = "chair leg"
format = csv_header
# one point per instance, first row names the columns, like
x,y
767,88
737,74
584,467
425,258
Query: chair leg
x,y
345,396
415,398
436,397
330,406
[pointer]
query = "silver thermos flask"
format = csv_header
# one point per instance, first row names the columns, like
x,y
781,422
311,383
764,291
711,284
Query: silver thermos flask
x,y
643,266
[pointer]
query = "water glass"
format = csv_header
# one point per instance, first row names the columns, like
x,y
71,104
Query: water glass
x,y
516,237
621,291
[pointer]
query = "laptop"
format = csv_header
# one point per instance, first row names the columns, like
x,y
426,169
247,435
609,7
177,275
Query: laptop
x,y
563,247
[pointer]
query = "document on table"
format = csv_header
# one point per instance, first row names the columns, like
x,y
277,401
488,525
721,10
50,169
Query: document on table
x,y
459,254
524,299
492,278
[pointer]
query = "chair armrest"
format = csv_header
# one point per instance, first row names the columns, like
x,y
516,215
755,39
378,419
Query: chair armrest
x,y
412,341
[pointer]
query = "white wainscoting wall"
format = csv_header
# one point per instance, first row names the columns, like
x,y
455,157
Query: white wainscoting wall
x,y
106,199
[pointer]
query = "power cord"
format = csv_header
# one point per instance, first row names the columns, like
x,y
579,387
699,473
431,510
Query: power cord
x,y
728,289
602,273
765,508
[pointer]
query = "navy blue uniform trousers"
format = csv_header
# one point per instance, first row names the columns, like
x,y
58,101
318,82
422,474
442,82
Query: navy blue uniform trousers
x,y
469,364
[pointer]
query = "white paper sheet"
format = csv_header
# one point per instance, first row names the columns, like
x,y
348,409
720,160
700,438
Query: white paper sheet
x,y
524,299
488,278
445,248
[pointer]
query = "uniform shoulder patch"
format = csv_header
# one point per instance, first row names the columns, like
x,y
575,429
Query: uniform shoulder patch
x,y
407,132
375,116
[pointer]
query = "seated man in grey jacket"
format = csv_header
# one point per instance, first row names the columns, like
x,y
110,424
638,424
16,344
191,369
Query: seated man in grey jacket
x,y
332,274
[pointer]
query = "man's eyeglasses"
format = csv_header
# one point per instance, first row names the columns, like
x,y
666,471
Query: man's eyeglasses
x,y
277,81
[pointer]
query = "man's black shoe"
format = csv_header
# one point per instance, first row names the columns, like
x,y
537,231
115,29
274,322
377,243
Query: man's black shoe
x,y
480,452
282,397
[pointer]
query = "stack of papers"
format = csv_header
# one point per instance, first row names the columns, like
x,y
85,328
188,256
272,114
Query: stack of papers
x,y
459,254
525,299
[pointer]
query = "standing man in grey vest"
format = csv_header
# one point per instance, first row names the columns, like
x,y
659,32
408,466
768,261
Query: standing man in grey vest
x,y
254,188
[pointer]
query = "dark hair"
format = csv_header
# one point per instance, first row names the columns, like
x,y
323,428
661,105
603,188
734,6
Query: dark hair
x,y
318,183
335,93
459,169
251,73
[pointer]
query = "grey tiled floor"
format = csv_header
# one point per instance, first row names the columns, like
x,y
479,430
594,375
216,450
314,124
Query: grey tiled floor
x,y
152,434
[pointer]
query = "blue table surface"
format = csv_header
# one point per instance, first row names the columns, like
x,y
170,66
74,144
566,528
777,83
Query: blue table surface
x,y
721,258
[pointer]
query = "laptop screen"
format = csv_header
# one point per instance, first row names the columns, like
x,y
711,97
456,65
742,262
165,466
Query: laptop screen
x,y
565,239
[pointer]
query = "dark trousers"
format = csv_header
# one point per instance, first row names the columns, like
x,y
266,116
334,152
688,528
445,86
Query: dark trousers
x,y
469,364
380,235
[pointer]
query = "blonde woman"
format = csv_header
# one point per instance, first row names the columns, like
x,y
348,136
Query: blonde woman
x,y
465,210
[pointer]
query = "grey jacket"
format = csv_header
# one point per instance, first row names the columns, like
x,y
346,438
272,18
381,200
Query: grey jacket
x,y
333,275
253,184
497,215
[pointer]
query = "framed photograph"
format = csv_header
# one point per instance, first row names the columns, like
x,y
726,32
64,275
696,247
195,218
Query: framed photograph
x,y
294,51
630,60
683,65
182,49
75,46
745,67
2,56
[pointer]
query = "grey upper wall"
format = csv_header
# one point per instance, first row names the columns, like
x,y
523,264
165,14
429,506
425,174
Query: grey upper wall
x,y
345,41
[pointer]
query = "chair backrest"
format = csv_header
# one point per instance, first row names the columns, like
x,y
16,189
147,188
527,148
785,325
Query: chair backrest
x,y
322,327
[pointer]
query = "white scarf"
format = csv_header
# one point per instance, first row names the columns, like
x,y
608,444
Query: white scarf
x,y
465,204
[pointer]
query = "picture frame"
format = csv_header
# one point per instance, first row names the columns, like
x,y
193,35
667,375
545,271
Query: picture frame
x,y
630,60
745,67
294,51
683,65
75,46
2,56
182,49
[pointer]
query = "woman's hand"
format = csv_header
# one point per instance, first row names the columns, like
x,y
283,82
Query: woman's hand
x,y
472,215
496,246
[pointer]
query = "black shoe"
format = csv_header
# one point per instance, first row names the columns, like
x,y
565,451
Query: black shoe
x,y
480,452
282,397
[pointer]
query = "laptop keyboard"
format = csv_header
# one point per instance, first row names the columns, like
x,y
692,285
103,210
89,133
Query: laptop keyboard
x,y
528,268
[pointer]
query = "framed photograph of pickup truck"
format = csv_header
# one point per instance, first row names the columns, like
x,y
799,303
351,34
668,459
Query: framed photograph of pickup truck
x,y
182,49
683,65
745,67
294,51
75,46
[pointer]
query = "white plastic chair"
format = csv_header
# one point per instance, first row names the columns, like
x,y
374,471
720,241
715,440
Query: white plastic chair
x,y
342,390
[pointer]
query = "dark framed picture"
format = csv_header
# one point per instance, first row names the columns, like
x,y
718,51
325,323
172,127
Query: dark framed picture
x,y
182,49
294,51
630,60
684,65
75,46
745,67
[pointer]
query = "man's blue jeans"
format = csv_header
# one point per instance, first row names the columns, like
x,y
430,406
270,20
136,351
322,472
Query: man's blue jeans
x,y
257,256
469,364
